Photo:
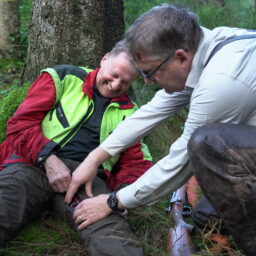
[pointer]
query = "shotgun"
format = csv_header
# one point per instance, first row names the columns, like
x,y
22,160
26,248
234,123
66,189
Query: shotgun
x,y
179,240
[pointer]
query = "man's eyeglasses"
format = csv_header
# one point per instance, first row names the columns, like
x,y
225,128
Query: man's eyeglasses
x,y
149,75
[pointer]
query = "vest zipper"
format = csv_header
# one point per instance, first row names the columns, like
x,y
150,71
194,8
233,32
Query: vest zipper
x,y
61,115
66,139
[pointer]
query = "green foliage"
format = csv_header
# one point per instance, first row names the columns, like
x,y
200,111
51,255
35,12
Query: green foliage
x,y
132,9
19,38
212,13
25,10
232,13
8,105
10,69
10,65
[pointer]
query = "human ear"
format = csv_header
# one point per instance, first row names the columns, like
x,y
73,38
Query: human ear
x,y
182,55
184,59
105,57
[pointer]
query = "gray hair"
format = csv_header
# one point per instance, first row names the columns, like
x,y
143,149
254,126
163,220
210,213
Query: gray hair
x,y
119,47
122,47
162,30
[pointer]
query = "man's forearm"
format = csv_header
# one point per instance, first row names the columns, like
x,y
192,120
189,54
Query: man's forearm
x,y
98,156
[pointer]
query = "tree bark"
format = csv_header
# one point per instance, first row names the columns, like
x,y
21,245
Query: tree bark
x,y
9,27
77,32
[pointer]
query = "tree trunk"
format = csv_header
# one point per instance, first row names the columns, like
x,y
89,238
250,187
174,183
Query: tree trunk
x,y
9,26
77,32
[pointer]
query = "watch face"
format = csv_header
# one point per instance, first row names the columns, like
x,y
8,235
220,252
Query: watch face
x,y
112,201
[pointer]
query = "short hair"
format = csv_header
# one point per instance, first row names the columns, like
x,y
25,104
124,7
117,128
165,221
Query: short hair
x,y
121,47
162,30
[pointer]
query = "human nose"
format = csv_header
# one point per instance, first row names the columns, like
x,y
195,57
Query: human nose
x,y
116,84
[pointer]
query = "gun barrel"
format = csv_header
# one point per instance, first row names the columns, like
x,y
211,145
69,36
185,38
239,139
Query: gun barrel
x,y
179,242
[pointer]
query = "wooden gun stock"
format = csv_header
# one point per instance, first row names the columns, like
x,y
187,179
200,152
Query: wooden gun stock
x,y
179,242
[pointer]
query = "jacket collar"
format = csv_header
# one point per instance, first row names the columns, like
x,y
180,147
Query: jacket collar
x,y
89,81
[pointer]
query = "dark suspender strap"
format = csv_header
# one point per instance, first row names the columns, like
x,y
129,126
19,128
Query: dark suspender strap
x,y
230,40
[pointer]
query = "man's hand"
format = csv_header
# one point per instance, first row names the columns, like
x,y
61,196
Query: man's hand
x,y
86,172
58,174
91,210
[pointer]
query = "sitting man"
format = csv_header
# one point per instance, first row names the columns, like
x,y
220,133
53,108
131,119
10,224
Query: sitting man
x,y
68,112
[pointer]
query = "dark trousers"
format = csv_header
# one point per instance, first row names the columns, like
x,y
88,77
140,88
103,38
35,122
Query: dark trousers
x,y
25,192
224,161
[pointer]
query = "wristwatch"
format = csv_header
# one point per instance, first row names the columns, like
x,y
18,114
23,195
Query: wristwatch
x,y
113,202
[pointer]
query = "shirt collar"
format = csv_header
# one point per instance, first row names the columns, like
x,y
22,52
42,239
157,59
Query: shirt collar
x,y
89,82
199,57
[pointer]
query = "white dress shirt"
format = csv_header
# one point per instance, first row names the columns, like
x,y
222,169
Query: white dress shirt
x,y
224,92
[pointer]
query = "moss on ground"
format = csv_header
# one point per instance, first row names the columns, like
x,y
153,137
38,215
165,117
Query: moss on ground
x,y
9,102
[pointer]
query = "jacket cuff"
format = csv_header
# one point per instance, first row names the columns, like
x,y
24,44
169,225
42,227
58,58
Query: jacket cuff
x,y
49,148
112,145
127,198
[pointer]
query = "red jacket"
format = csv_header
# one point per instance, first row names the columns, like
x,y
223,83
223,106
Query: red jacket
x,y
25,140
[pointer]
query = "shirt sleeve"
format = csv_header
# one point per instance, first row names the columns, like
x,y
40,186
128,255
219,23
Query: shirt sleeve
x,y
220,98
139,124
24,131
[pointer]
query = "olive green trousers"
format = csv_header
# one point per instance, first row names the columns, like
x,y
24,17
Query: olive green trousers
x,y
25,193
